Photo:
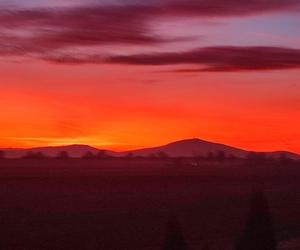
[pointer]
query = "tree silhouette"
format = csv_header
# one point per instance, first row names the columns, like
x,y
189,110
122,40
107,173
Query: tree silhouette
x,y
174,239
256,157
152,156
221,156
232,157
162,155
210,156
63,155
39,155
88,155
259,233
101,154
28,155
34,155
129,155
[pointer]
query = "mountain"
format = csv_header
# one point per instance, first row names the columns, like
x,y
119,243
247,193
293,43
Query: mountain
x,y
198,147
185,148
190,147
73,151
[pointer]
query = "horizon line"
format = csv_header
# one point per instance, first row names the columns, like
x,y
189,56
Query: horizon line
x,y
143,147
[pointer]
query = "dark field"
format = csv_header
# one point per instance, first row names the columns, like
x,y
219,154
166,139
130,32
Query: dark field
x,y
124,204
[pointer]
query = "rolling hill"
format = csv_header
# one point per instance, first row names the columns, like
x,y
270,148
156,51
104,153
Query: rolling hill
x,y
72,150
189,148
182,148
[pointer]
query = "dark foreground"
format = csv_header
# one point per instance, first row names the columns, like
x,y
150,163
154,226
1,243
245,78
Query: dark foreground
x,y
120,204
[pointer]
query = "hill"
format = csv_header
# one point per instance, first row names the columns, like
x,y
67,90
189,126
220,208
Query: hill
x,y
183,148
191,147
72,150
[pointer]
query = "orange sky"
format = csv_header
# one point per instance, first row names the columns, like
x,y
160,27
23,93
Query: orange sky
x,y
122,75
123,108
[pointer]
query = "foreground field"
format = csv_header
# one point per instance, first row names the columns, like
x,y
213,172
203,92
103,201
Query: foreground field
x,y
116,204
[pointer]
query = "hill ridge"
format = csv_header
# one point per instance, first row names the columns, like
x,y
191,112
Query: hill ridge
x,y
185,147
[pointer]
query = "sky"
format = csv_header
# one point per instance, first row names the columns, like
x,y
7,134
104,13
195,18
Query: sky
x,y
129,74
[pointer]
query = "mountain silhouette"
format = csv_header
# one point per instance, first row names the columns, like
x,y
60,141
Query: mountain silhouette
x,y
183,148
190,148
197,147
72,150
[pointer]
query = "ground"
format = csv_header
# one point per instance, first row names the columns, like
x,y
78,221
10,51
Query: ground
x,y
116,204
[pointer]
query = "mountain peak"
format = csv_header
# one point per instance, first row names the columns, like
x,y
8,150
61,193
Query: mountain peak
x,y
190,140
191,147
183,148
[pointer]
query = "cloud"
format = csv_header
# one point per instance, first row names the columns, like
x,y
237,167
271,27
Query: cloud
x,y
43,30
74,59
229,58
217,8
36,31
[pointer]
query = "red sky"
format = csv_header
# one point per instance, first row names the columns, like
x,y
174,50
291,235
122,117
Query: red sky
x,y
97,74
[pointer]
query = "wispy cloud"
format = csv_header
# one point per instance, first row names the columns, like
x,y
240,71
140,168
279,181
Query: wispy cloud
x,y
228,58
38,31
45,30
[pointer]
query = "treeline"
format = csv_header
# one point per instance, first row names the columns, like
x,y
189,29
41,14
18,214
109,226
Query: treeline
x,y
251,157
219,156
60,155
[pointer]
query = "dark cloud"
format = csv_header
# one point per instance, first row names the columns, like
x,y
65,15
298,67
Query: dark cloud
x,y
30,31
217,8
220,59
214,59
38,31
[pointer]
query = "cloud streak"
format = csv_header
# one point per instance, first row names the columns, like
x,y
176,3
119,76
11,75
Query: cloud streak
x,y
44,30
217,8
40,31
207,59
227,58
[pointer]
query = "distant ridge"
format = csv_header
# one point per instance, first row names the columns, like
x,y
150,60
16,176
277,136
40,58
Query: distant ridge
x,y
183,148
191,147
73,151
